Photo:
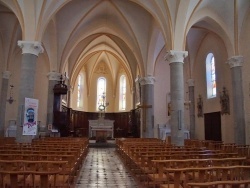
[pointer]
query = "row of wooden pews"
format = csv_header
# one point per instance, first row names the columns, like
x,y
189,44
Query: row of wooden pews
x,y
196,164
46,162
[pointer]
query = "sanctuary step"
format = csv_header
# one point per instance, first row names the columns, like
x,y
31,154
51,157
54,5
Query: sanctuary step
x,y
106,144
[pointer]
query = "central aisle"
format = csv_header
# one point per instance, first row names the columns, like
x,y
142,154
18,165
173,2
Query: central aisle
x,y
104,169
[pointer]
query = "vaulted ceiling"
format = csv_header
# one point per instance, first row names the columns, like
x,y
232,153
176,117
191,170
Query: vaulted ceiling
x,y
122,33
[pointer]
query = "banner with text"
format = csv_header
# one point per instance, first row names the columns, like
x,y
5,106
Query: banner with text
x,y
30,116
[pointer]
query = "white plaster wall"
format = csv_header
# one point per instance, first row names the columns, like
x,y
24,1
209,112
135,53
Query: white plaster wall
x,y
41,87
244,50
161,91
11,109
212,43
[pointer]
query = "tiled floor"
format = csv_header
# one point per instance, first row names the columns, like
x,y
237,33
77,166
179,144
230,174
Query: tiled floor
x,y
104,169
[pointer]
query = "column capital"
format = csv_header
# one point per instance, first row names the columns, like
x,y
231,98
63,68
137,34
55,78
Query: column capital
x,y
6,74
147,80
190,82
54,76
30,47
137,78
235,61
174,56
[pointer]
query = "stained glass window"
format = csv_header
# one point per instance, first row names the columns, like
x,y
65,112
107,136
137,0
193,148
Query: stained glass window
x,y
79,91
122,101
101,91
211,76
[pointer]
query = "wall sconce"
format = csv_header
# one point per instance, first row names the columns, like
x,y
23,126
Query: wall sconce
x,y
11,100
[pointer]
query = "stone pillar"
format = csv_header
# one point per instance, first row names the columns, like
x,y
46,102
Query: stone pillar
x,y
4,96
69,96
133,97
235,64
30,51
54,77
175,59
191,107
147,106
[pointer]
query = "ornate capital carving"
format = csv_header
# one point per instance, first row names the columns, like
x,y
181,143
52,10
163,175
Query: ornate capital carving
x,y
137,78
147,80
6,74
235,61
30,47
173,56
190,82
54,76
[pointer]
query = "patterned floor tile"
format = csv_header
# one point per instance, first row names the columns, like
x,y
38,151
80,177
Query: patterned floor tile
x,y
103,169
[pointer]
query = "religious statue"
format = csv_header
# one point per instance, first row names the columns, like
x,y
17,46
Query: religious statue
x,y
200,106
224,101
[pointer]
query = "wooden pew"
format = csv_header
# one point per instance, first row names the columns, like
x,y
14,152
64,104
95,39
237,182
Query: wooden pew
x,y
186,177
165,170
72,150
224,184
33,173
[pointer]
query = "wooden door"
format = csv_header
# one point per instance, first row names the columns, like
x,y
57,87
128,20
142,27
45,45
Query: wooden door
x,y
212,123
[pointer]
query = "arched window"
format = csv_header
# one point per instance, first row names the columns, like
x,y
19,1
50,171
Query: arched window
x,y
101,91
79,91
122,98
211,76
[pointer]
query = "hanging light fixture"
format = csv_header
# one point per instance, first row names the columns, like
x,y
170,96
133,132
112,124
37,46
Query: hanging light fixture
x,y
11,100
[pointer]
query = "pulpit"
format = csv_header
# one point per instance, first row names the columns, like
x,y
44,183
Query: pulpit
x,y
104,128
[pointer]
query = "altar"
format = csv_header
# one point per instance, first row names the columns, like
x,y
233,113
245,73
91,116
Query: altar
x,y
103,127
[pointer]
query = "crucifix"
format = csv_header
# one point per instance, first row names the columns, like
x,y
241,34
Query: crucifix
x,y
144,108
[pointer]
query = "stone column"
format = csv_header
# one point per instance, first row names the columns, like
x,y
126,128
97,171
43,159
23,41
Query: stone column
x,y
54,77
147,106
191,107
30,51
69,96
133,97
235,64
175,59
4,96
